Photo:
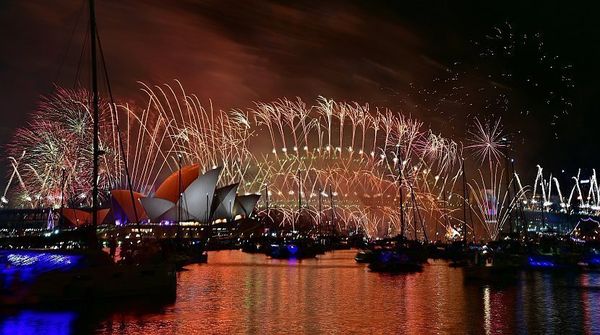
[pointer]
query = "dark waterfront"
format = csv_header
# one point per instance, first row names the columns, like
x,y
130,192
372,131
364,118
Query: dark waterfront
x,y
237,293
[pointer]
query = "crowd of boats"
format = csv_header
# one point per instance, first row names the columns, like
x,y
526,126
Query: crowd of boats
x,y
76,265
493,261
288,245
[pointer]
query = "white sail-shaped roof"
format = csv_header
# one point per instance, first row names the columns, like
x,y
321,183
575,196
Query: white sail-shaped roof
x,y
224,202
176,215
244,204
202,202
156,207
197,199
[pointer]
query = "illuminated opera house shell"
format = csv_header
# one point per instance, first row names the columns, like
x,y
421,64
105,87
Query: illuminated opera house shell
x,y
200,200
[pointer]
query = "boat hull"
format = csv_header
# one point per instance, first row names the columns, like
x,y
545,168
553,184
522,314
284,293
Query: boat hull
x,y
36,277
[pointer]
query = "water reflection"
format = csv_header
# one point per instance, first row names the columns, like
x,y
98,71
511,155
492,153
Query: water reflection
x,y
80,318
238,293
30,322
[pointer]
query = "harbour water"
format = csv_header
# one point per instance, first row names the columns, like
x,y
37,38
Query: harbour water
x,y
238,293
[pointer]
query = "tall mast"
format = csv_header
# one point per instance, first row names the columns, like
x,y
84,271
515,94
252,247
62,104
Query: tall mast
x,y
414,210
332,211
520,216
510,208
299,202
464,180
400,190
446,221
95,116
180,196
320,211
299,193
62,198
267,198
417,214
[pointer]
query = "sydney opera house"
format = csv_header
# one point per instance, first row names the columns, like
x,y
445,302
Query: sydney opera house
x,y
186,196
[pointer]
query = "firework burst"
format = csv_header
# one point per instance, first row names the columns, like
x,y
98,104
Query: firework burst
x,y
52,156
347,153
487,141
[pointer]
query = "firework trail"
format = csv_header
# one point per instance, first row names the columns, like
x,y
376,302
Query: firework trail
x,y
494,204
548,194
345,155
55,155
491,191
347,148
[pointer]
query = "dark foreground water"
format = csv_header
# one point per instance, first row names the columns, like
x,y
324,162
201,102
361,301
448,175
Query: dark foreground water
x,y
238,293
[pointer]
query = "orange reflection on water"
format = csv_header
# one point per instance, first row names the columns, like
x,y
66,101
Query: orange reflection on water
x,y
237,293
242,293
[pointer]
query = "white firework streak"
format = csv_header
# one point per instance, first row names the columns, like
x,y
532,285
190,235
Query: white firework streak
x,y
345,147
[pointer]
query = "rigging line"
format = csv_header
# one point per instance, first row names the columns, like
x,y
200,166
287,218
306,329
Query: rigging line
x,y
121,147
70,41
81,56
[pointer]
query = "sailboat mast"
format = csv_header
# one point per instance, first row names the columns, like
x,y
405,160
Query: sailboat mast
x,y
464,180
520,218
299,203
400,190
95,115
510,207
446,221
332,211
299,193
320,210
267,198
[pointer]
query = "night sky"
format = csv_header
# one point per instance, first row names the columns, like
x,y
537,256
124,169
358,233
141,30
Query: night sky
x,y
386,53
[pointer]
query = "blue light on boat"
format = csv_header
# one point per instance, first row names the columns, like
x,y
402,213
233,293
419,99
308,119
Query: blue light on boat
x,y
385,256
540,263
38,322
27,264
594,261
292,249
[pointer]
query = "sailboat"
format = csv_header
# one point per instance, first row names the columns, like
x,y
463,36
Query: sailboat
x,y
458,251
400,254
44,276
495,262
